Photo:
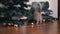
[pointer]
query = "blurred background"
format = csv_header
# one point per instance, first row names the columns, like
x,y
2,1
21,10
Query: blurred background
x,y
14,10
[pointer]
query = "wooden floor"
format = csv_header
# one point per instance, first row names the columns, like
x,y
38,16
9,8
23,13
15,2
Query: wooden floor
x,y
45,28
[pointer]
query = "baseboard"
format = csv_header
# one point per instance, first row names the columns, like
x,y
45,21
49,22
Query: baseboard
x,y
56,19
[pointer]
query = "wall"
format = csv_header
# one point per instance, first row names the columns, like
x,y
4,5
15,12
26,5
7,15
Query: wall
x,y
53,5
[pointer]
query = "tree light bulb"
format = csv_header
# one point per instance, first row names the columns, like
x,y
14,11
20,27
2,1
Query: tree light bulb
x,y
32,23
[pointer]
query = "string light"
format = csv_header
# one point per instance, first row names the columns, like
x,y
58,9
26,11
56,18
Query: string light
x,y
15,25
32,23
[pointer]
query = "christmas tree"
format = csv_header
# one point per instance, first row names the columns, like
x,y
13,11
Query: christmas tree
x,y
15,8
12,8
